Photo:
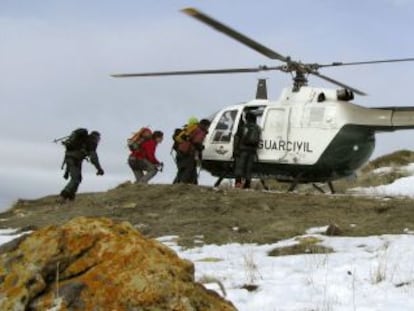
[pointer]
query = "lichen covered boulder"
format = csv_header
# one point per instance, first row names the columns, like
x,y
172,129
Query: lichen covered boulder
x,y
98,264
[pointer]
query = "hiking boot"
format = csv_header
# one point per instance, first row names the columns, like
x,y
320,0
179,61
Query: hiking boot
x,y
63,200
60,200
246,185
66,196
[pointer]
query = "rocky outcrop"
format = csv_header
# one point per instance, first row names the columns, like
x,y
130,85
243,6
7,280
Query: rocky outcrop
x,y
97,264
333,230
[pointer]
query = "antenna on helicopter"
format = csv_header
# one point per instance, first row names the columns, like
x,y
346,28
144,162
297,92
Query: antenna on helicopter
x,y
261,92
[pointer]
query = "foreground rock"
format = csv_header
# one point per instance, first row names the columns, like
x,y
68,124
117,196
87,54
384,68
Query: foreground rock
x,y
97,264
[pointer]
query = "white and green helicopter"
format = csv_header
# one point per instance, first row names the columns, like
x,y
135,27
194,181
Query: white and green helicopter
x,y
309,135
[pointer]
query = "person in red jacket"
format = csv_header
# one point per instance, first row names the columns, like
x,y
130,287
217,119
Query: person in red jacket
x,y
143,162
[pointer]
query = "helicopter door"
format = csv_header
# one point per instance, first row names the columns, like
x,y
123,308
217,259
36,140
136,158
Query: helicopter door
x,y
220,140
275,131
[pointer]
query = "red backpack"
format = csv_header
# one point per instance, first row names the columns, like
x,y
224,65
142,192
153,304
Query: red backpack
x,y
135,141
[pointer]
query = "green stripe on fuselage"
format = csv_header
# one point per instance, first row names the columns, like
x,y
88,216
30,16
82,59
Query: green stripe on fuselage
x,y
348,151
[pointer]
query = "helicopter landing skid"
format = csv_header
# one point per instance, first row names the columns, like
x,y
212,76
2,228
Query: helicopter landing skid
x,y
220,179
330,185
294,183
264,185
218,182
293,186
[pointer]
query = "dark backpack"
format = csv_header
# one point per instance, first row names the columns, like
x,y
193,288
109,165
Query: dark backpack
x,y
175,135
77,140
251,135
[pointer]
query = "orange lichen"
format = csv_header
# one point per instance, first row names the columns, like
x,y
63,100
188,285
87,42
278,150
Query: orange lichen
x,y
116,267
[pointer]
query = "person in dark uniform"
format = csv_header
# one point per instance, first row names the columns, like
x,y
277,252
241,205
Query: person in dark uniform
x,y
245,150
76,151
189,152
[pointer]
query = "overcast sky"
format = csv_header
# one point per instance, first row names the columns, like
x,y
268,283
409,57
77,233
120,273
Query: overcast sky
x,y
56,57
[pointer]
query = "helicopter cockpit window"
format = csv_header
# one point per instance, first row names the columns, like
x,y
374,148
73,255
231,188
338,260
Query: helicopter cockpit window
x,y
224,128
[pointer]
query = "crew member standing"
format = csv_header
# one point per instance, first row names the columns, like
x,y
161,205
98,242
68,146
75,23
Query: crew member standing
x,y
143,161
245,150
79,146
189,152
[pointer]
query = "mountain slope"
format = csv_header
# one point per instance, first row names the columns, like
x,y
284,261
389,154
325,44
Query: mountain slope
x,y
221,216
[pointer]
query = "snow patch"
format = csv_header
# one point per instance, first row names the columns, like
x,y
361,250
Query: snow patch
x,y
316,230
401,187
7,235
366,273
383,170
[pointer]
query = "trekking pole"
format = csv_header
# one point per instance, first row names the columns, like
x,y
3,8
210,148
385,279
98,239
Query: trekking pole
x,y
63,163
200,167
172,155
56,140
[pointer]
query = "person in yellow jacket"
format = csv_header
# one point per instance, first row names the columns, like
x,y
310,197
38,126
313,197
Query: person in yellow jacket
x,y
188,144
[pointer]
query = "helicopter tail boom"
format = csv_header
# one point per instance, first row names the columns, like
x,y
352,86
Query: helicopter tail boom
x,y
389,119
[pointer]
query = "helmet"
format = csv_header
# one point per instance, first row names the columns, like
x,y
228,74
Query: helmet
x,y
192,120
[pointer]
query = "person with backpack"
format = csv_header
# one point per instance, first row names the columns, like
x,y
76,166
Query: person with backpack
x,y
189,146
142,159
79,146
247,141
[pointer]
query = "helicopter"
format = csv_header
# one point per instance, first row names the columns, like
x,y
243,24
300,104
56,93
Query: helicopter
x,y
309,135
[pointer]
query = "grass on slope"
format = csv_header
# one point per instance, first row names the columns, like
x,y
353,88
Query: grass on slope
x,y
220,216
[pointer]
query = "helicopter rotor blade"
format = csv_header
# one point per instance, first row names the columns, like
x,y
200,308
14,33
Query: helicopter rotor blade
x,y
234,34
195,72
337,64
356,91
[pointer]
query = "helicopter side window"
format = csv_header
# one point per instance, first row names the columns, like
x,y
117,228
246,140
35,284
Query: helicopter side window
x,y
224,127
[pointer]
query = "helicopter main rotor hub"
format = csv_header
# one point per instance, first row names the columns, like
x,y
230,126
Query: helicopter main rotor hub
x,y
299,80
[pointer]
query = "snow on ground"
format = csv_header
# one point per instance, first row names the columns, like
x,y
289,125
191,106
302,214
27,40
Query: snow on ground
x,y
6,235
369,273
408,169
363,273
383,170
401,187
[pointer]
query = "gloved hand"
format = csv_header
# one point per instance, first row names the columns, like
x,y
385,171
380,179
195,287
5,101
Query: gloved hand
x,y
100,172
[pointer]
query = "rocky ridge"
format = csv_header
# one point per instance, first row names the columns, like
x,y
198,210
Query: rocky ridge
x,y
98,264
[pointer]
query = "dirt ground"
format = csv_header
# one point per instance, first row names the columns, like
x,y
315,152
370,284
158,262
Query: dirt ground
x,y
220,216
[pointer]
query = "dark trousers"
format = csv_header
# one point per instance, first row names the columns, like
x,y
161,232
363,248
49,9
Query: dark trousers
x,y
186,169
74,172
243,167
143,169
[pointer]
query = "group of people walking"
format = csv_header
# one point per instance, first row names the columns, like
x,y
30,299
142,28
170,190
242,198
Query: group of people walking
x,y
187,144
